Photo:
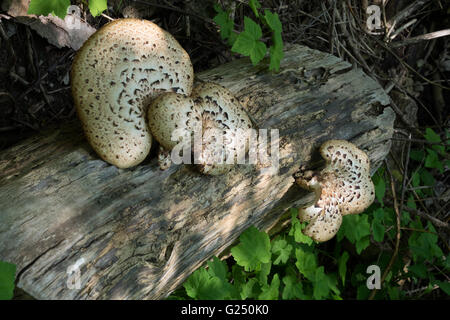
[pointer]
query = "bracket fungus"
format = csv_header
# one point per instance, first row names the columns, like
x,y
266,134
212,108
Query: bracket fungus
x,y
115,75
212,116
343,187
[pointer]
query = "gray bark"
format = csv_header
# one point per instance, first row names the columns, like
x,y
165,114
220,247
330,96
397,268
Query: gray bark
x,y
139,233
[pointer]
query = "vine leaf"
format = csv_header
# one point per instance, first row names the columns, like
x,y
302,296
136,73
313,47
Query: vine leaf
x,y
45,7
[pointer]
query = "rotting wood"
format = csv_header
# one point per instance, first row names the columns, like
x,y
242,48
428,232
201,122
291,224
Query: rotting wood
x,y
138,233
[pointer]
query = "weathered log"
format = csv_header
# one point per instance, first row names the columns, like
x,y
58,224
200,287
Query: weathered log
x,y
138,233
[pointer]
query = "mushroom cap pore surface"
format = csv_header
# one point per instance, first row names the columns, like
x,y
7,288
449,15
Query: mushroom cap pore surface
x,y
173,115
348,175
343,187
225,127
115,75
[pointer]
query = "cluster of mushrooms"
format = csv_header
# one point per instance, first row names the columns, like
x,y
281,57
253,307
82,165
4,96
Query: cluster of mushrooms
x,y
132,82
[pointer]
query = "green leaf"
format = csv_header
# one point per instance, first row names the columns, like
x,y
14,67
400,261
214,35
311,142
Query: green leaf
x,y
244,44
342,265
45,7
276,49
96,7
417,155
378,230
419,270
355,227
427,178
306,262
273,21
293,289
282,249
263,273
394,293
200,285
445,286
405,219
225,23
432,160
361,244
253,249
321,285
380,187
258,52
232,39
378,214
255,5
217,268
252,28
415,179
432,136
276,55
248,289
332,284
7,276
271,292
411,203
296,229
247,42
362,293
424,245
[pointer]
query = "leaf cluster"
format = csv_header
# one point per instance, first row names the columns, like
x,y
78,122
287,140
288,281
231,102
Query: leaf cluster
x,y
250,42
59,7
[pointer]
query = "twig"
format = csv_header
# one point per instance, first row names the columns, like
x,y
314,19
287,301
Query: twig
x,y
433,220
359,59
399,30
107,17
405,171
407,65
406,13
426,37
16,77
411,292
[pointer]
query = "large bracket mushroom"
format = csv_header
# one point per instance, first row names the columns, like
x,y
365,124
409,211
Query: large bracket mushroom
x,y
115,75
343,187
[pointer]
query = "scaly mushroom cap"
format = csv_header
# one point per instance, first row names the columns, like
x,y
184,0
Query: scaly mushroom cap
x,y
116,73
222,114
343,187
169,112
214,113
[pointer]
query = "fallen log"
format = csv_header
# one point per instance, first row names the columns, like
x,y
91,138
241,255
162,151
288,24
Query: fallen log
x,y
139,233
